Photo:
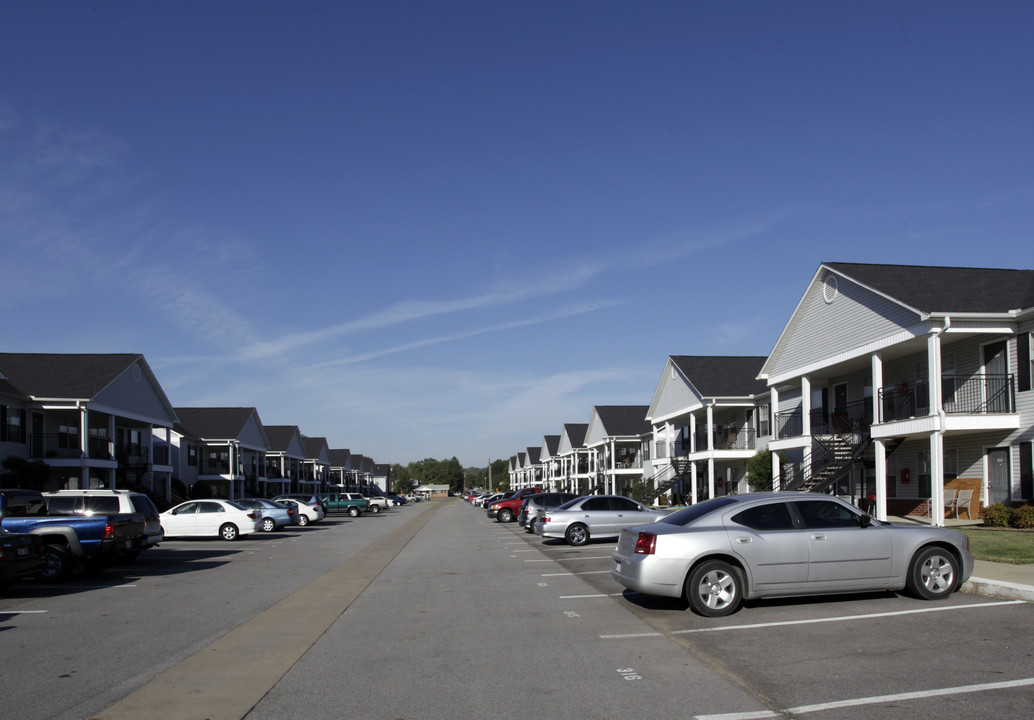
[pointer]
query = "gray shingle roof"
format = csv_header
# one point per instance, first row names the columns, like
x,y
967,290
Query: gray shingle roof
x,y
576,433
65,376
624,419
946,289
719,376
552,443
215,423
339,457
279,436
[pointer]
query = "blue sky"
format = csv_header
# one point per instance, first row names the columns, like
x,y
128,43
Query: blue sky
x,y
437,229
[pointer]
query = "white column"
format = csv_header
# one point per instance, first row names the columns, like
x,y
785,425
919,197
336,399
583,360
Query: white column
x,y
806,406
710,477
933,350
877,385
692,433
880,451
693,482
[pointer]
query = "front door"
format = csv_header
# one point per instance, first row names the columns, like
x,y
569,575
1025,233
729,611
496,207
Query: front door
x,y
998,475
841,423
841,553
996,385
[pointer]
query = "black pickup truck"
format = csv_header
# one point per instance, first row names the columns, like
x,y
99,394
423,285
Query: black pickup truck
x,y
71,542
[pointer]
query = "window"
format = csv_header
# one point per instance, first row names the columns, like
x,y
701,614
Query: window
x,y
764,414
192,455
12,424
68,437
1024,361
826,514
948,381
774,516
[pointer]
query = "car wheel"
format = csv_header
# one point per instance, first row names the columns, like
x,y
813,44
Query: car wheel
x,y
57,564
530,528
229,532
505,515
303,519
375,509
353,511
577,535
933,574
268,524
714,588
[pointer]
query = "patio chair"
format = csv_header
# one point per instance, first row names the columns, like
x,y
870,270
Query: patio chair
x,y
950,498
964,500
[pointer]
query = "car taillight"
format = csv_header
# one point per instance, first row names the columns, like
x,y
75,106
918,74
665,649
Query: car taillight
x,y
253,515
646,544
545,518
109,530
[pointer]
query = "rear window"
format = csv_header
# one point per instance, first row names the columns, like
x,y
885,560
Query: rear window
x,y
143,505
101,505
688,516
61,505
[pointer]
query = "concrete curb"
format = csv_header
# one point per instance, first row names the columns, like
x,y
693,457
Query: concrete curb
x,y
999,589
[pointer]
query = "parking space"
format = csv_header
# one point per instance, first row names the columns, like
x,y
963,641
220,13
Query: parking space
x,y
837,656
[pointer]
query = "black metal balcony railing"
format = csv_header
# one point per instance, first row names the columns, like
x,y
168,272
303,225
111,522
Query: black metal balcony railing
x,y
789,423
978,394
63,445
160,454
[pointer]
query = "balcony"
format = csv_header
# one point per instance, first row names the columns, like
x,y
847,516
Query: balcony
x,y
65,446
978,394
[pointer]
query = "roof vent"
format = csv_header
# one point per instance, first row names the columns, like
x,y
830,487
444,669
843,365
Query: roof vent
x,y
830,288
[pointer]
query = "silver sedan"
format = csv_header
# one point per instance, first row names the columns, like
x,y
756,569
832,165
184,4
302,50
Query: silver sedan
x,y
719,552
595,516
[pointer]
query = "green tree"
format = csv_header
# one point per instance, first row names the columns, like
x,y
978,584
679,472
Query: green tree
x,y
759,470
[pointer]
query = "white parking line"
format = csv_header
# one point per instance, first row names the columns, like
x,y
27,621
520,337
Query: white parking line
x,y
874,700
21,612
868,616
595,595
572,558
587,572
846,618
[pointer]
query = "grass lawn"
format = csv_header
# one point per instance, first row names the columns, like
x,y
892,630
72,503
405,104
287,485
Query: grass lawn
x,y
1001,545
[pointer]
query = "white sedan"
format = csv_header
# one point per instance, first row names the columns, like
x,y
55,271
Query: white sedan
x,y
210,518
307,512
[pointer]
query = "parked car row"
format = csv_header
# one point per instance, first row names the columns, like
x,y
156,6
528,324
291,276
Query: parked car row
x,y
52,535
720,552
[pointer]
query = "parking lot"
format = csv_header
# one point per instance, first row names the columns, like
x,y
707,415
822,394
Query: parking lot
x,y
433,611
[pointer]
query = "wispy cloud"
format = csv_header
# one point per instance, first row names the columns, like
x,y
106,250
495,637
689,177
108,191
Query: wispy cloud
x,y
559,314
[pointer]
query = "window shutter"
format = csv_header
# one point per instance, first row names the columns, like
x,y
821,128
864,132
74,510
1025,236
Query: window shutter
x,y
1027,471
1023,369
3,423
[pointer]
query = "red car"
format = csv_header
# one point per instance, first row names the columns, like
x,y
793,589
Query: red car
x,y
505,510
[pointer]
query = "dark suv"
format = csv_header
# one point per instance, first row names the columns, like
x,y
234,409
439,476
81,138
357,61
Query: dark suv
x,y
535,507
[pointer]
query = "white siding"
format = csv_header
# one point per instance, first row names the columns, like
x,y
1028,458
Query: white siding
x,y
855,317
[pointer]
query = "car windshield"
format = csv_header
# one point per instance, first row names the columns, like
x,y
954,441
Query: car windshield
x,y
687,516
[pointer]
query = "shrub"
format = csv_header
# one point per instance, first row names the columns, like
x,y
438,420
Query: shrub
x,y
1023,517
641,491
997,515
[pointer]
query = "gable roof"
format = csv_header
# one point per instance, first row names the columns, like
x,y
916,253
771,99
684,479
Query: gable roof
x,y
280,436
550,443
575,433
66,376
214,423
723,376
339,457
945,289
623,419
533,455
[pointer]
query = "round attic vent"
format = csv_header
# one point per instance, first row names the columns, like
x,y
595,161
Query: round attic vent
x,y
136,373
830,288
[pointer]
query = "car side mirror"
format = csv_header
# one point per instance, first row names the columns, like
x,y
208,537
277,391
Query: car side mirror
x,y
866,520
